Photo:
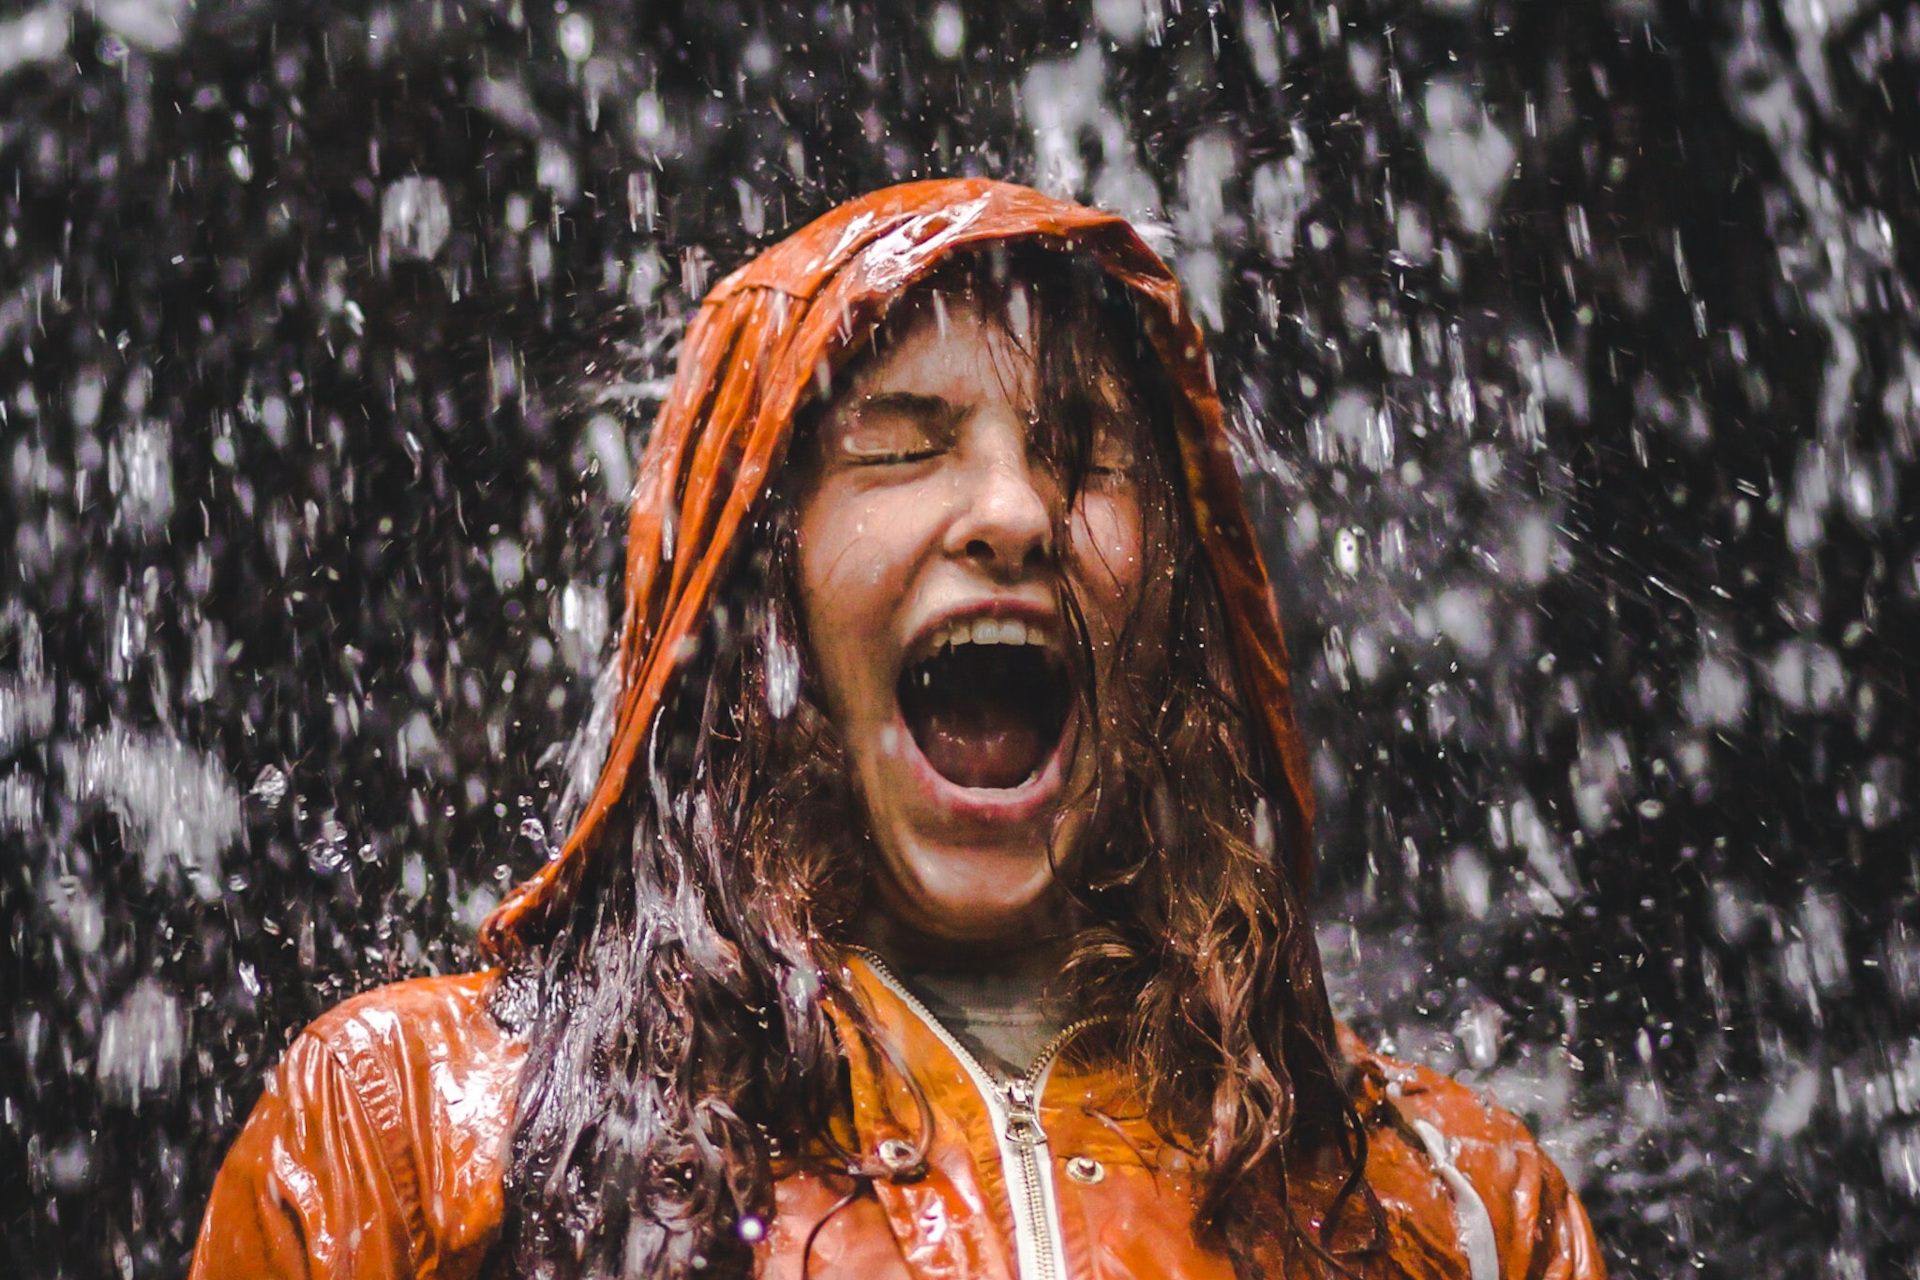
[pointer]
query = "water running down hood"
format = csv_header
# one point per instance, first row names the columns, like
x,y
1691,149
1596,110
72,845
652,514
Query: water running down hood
x,y
746,367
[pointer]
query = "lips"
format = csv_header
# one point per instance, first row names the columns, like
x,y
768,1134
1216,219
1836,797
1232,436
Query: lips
x,y
986,700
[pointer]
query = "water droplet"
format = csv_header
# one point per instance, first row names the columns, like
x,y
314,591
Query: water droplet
x,y
415,219
783,672
948,31
574,35
270,787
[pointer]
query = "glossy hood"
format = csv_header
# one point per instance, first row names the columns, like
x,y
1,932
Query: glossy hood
x,y
746,367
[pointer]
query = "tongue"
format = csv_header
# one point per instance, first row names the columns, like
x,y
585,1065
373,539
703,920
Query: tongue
x,y
981,746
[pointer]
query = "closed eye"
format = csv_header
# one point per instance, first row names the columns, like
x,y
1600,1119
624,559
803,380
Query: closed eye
x,y
1113,457
860,458
896,428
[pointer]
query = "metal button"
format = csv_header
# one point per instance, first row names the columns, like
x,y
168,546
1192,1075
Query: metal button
x,y
1086,1169
902,1158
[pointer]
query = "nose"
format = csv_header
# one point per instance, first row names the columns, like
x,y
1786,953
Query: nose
x,y
1005,521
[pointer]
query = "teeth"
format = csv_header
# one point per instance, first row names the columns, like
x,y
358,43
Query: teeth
x,y
991,631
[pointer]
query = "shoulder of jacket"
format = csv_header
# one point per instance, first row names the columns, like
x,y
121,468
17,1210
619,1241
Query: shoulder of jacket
x,y
418,1008
1530,1214
1457,1110
1421,1093
420,1046
386,1128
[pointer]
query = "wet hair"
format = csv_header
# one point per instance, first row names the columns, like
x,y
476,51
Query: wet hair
x,y
680,1050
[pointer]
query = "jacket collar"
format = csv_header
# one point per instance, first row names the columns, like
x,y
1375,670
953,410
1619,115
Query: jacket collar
x,y
910,1083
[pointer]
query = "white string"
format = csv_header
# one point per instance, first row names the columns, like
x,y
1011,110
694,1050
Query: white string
x,y
1469,1210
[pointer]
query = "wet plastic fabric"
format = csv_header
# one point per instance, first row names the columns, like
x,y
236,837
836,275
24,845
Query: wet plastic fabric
x,y
377,1153
377,1149
752,357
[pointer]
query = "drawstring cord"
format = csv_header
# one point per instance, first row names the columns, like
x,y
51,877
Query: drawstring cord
x,y
1470,1211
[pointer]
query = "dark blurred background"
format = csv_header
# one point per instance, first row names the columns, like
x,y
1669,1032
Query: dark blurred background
x,y
1574,352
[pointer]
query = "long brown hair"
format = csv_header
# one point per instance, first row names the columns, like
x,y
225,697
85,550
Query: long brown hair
x,y
680,1049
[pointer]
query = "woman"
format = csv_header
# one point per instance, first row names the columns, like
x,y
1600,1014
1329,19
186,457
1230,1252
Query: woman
x,y
937,911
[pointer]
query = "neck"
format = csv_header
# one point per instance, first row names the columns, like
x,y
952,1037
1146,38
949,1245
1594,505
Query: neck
x,y
917,951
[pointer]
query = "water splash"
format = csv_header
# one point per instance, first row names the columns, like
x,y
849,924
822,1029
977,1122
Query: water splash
x,y
177,808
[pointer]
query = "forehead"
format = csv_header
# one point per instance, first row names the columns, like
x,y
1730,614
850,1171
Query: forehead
x,y
950,345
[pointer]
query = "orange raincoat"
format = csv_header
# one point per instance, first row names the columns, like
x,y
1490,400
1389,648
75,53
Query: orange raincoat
x,y
378,1148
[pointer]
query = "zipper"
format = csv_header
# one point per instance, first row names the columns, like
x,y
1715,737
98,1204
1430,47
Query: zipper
x,y
1013,1106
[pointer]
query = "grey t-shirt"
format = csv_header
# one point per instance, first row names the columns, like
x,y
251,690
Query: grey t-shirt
x,y
1007,1020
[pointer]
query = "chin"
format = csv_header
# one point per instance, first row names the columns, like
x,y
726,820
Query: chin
x,y
978,895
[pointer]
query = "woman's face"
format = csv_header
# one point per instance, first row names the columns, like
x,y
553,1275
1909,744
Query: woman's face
x,y
931,586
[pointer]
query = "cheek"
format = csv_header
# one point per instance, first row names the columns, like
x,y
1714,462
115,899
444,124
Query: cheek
x,y
851,555
831,567
1108,536
854,561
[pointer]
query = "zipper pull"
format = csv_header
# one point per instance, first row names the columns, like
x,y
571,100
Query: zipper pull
x,y
1023,1124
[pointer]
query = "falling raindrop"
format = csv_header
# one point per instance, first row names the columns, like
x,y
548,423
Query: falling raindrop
x,y
415,220
782,672
575,36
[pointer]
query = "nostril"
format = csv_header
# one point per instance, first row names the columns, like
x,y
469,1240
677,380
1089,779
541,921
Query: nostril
x,y
1036,554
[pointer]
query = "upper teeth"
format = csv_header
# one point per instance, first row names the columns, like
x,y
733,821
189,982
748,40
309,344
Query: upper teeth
x,y
990,631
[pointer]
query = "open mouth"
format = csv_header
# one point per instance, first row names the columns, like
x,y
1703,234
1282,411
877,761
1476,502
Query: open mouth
x,y
987,705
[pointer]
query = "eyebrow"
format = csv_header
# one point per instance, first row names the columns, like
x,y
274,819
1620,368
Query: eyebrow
x,y
910,403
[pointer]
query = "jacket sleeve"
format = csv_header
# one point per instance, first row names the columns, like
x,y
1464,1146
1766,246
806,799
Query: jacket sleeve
x,y
307,1190
1563,1245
